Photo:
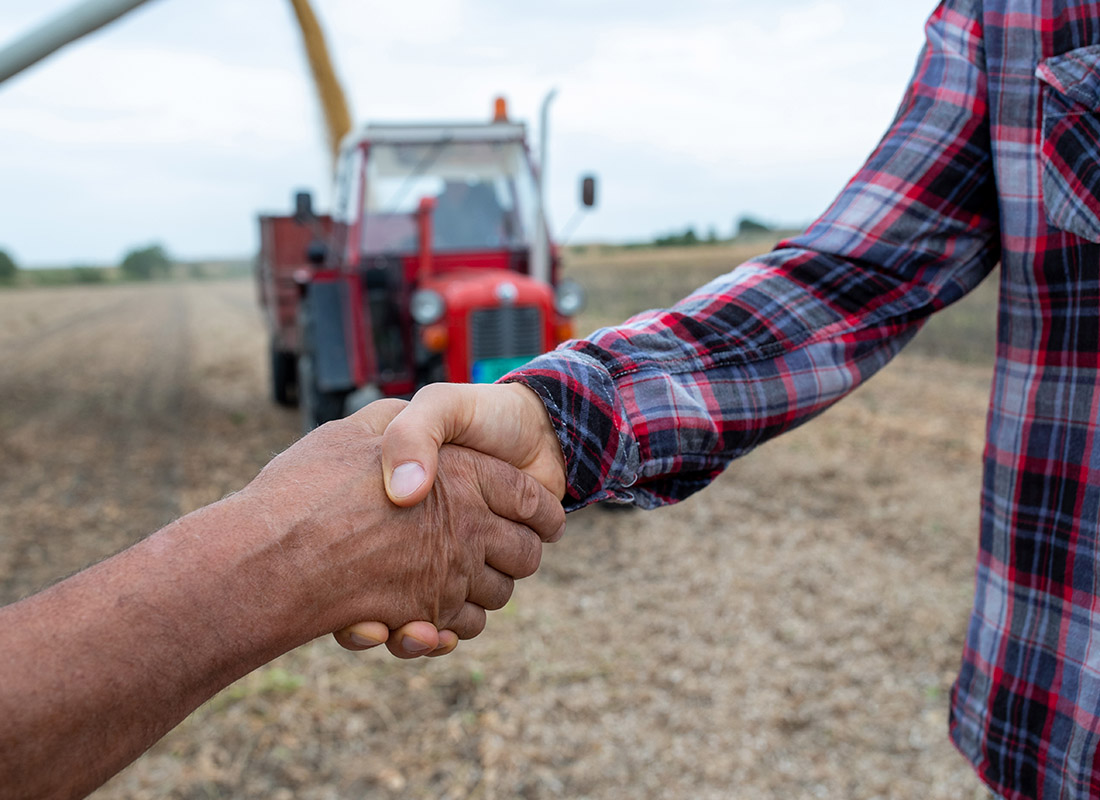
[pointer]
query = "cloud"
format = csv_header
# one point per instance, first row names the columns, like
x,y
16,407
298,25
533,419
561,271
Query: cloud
x,y
150,96
688,111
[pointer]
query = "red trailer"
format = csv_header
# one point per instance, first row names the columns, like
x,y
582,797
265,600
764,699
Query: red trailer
x,y
282,266
435,265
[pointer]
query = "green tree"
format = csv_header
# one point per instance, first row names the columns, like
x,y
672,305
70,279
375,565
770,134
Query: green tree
x,y
747,226
145,264
88,275
8,269
685,239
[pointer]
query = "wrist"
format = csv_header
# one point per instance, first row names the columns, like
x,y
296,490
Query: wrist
x,y
547,462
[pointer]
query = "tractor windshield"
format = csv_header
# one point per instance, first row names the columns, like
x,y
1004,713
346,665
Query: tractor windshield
x,y
485,195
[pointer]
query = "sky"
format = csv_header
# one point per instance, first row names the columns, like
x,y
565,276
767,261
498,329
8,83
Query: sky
x,y
181,122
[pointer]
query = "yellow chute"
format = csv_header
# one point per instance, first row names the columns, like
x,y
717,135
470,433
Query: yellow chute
x,y
334,104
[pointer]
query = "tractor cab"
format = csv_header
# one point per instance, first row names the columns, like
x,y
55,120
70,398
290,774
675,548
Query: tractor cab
x,y
475,182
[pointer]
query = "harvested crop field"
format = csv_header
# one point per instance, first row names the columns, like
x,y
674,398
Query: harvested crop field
x,y
791,632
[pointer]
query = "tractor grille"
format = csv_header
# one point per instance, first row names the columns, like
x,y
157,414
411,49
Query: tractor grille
x,y
505,332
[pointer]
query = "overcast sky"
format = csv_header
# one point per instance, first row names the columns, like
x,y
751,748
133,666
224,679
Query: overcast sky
x,y
180,122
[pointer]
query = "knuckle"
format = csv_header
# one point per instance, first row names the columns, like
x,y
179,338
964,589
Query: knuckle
x,y
474,624
529,496
451,604
432,393
530,558
502,594
394,404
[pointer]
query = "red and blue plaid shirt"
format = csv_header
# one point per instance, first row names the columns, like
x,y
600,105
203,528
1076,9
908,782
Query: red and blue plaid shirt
x,y
993,156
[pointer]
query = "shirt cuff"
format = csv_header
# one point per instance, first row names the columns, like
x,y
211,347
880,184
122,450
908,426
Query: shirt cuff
x,y
601,452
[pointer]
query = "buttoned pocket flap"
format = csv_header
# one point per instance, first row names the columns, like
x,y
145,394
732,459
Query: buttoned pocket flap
x,y
1070,155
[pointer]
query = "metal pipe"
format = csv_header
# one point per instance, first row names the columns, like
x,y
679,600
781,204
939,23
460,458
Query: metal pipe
x,y
540,255
60,31
544,138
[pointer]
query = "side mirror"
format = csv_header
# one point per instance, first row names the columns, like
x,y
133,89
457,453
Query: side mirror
x,y
303,207
588,191
316,253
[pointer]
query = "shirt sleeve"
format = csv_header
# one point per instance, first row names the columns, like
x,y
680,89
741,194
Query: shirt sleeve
x,y
652,410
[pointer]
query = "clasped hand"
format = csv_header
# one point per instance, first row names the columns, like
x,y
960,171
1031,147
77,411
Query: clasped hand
x,y
511,485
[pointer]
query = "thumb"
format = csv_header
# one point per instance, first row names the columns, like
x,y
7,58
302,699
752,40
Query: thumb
x,y
439,413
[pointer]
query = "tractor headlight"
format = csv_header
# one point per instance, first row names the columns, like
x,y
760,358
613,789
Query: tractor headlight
x,y
569,298
427,306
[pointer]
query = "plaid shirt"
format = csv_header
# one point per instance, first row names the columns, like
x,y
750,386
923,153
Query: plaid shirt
x,y
993,156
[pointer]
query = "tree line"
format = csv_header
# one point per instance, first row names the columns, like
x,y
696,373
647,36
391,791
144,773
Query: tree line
x,y
746,226
145,263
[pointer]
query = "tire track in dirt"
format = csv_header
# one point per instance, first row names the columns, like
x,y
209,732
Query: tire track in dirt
x,y
91,436
244,303
24,345
237,426
155,407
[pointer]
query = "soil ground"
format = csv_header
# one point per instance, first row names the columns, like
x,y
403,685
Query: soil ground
x,y
790,632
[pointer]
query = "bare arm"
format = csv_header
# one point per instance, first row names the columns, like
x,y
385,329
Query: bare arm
x,y
95,669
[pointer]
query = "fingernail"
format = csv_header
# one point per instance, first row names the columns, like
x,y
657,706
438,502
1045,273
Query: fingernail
x,y
406,478
414,646
557,536
362,641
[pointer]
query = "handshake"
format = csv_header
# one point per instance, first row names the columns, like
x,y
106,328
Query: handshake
x,y
409,520
401,524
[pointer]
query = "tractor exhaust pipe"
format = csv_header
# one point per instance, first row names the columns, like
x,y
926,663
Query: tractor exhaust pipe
x,y
540,254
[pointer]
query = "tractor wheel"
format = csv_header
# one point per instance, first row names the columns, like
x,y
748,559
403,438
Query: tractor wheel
x,y
316,405
284,377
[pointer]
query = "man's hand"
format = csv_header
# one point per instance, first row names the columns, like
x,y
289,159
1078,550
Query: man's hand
x,y
507,421
441,564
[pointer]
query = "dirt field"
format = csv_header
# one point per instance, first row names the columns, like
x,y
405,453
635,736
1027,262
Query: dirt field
x,y
791,632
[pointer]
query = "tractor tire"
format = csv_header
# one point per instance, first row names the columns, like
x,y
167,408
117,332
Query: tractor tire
x,y
316,405
284,377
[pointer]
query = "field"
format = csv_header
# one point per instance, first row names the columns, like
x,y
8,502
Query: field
x,y
791,632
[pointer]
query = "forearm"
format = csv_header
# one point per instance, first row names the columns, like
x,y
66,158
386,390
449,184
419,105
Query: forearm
x,y
656,407
97,668
643,416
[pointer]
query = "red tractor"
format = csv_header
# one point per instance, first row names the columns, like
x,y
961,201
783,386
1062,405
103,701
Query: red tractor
x,y
435,265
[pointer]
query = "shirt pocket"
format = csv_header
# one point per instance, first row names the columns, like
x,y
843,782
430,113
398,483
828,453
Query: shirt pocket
x,y
1070,155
